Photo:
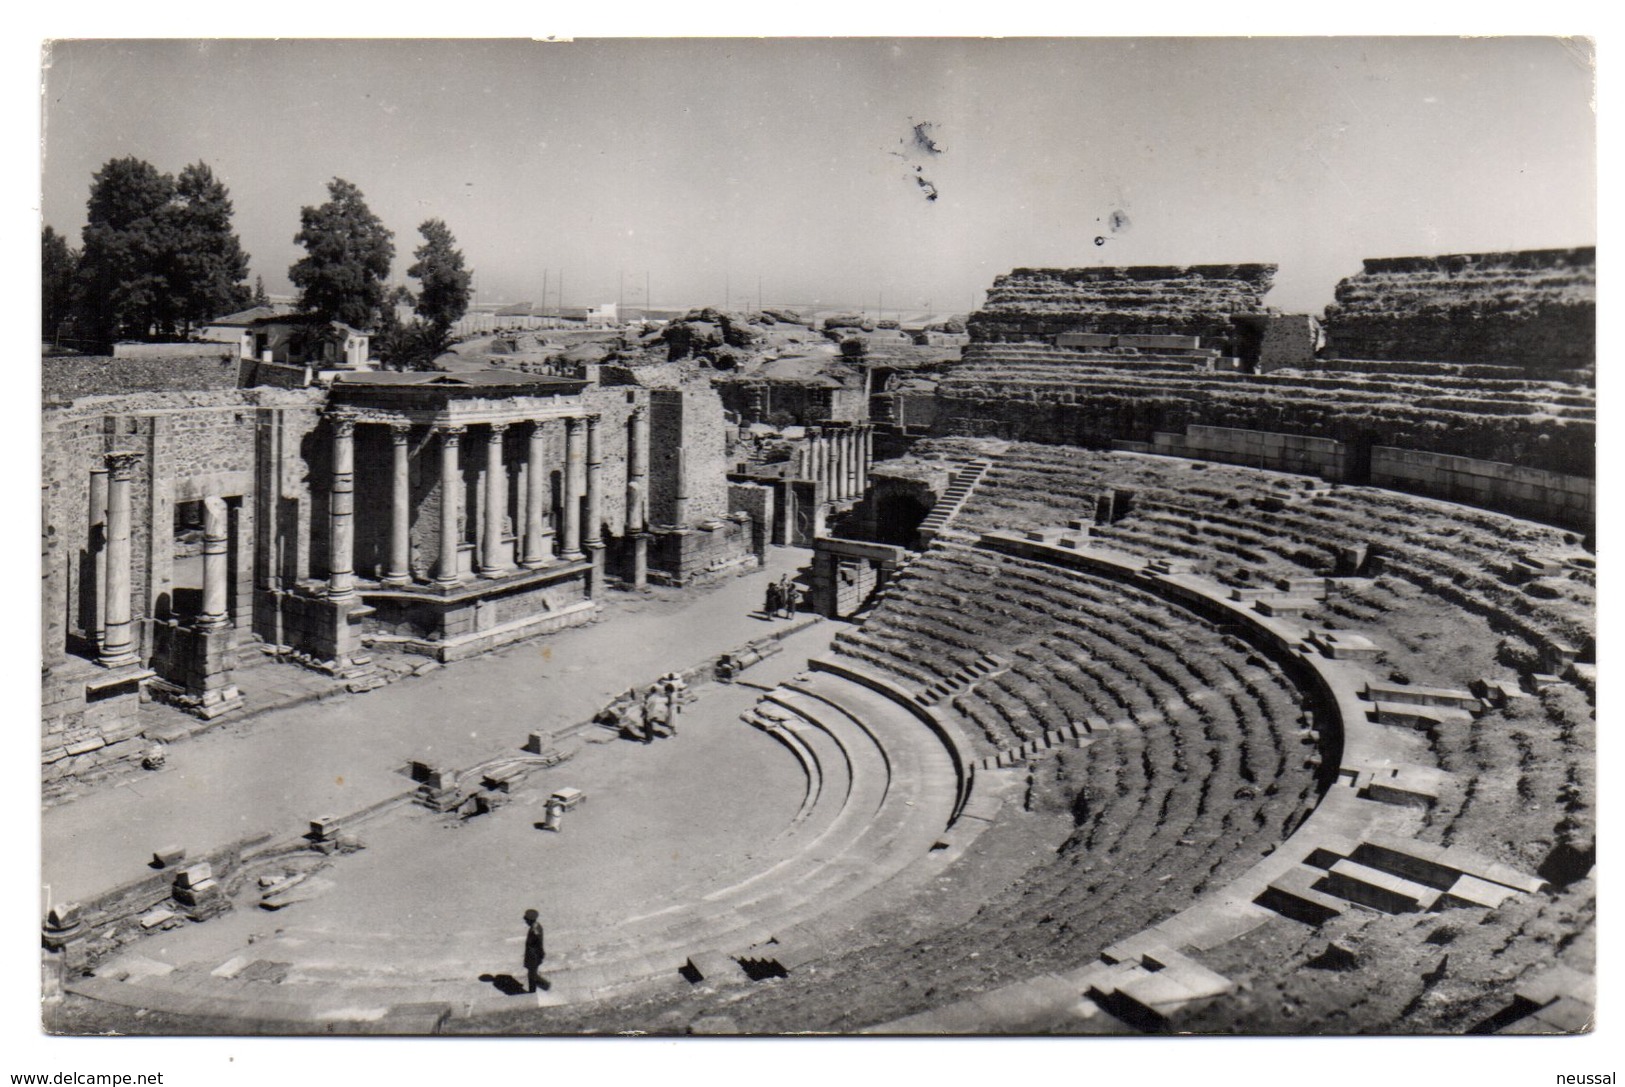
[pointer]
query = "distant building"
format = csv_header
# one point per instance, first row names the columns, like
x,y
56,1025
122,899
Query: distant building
x,y
278,333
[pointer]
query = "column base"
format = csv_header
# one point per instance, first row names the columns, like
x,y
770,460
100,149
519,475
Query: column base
x,y
395,581
450,582
537,564
496,572
573,556
119,660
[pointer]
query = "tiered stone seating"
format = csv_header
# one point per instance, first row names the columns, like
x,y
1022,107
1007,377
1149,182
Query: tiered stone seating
x,y
1194,760
1090,398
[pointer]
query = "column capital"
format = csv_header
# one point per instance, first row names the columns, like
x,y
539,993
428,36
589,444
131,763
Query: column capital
x,y
121,463
451,432
399,432
343,425
538,427
497,430
593,420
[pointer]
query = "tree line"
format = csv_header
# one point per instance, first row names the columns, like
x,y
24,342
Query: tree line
x,y
159,258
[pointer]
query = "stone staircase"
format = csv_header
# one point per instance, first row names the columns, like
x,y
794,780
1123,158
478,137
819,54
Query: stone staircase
x,y
983,667
952,500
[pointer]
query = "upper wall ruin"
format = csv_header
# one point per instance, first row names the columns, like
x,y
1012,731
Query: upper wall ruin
x,y
1535,308
1035,303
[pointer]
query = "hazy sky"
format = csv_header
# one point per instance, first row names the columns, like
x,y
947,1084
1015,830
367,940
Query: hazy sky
x,y
711,164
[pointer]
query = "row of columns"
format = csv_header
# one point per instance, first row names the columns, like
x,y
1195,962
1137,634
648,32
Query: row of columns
x,y
113,622
583,471
839,459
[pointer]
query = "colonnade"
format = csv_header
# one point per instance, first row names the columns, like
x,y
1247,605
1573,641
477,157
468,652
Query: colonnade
x,y
839,458
534,528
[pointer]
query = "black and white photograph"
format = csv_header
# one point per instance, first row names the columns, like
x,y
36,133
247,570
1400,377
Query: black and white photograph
x,y
941,536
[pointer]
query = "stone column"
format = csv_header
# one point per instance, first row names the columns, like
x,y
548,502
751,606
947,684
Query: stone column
x,y
832,466
815,462
451,489
118,641
341,513
637,495
538,537
595,468
398,571
98,551
215,539
679,514
868,452
843,463
492,562
833,437
574,439
858,476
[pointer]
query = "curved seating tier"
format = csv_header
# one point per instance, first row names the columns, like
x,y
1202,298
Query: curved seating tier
x,y
1246,525
1039,371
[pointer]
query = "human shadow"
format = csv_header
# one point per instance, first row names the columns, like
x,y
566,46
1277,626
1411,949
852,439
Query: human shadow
x,y
506,984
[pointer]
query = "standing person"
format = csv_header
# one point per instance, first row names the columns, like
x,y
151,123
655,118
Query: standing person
x,y
793,599
653,713
535,951
786,587
771,608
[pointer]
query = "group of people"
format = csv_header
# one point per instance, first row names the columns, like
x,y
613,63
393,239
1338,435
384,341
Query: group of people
x,y
783,598
656,713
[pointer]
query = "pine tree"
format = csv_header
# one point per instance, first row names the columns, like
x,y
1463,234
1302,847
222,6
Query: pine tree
x,y
348,254
209,266
160,256
260,298
122,291
58,264
443,290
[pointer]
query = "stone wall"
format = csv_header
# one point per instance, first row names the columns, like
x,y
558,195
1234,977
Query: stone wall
x,y
1535,308
756,501
1257,449
711,549
1036,303
67,378
686,433
1524,492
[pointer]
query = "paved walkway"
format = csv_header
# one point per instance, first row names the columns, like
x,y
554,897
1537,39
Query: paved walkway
x,y
274,772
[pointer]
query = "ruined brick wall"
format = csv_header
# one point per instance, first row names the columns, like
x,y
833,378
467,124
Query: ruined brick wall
x,y
1535,308
756,501
193,444
1289,340
65,379
690,419
614,405
1036,303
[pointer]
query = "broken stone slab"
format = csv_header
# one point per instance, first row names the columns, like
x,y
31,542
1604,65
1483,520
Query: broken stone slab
x,y
195,875
157,918
168,856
